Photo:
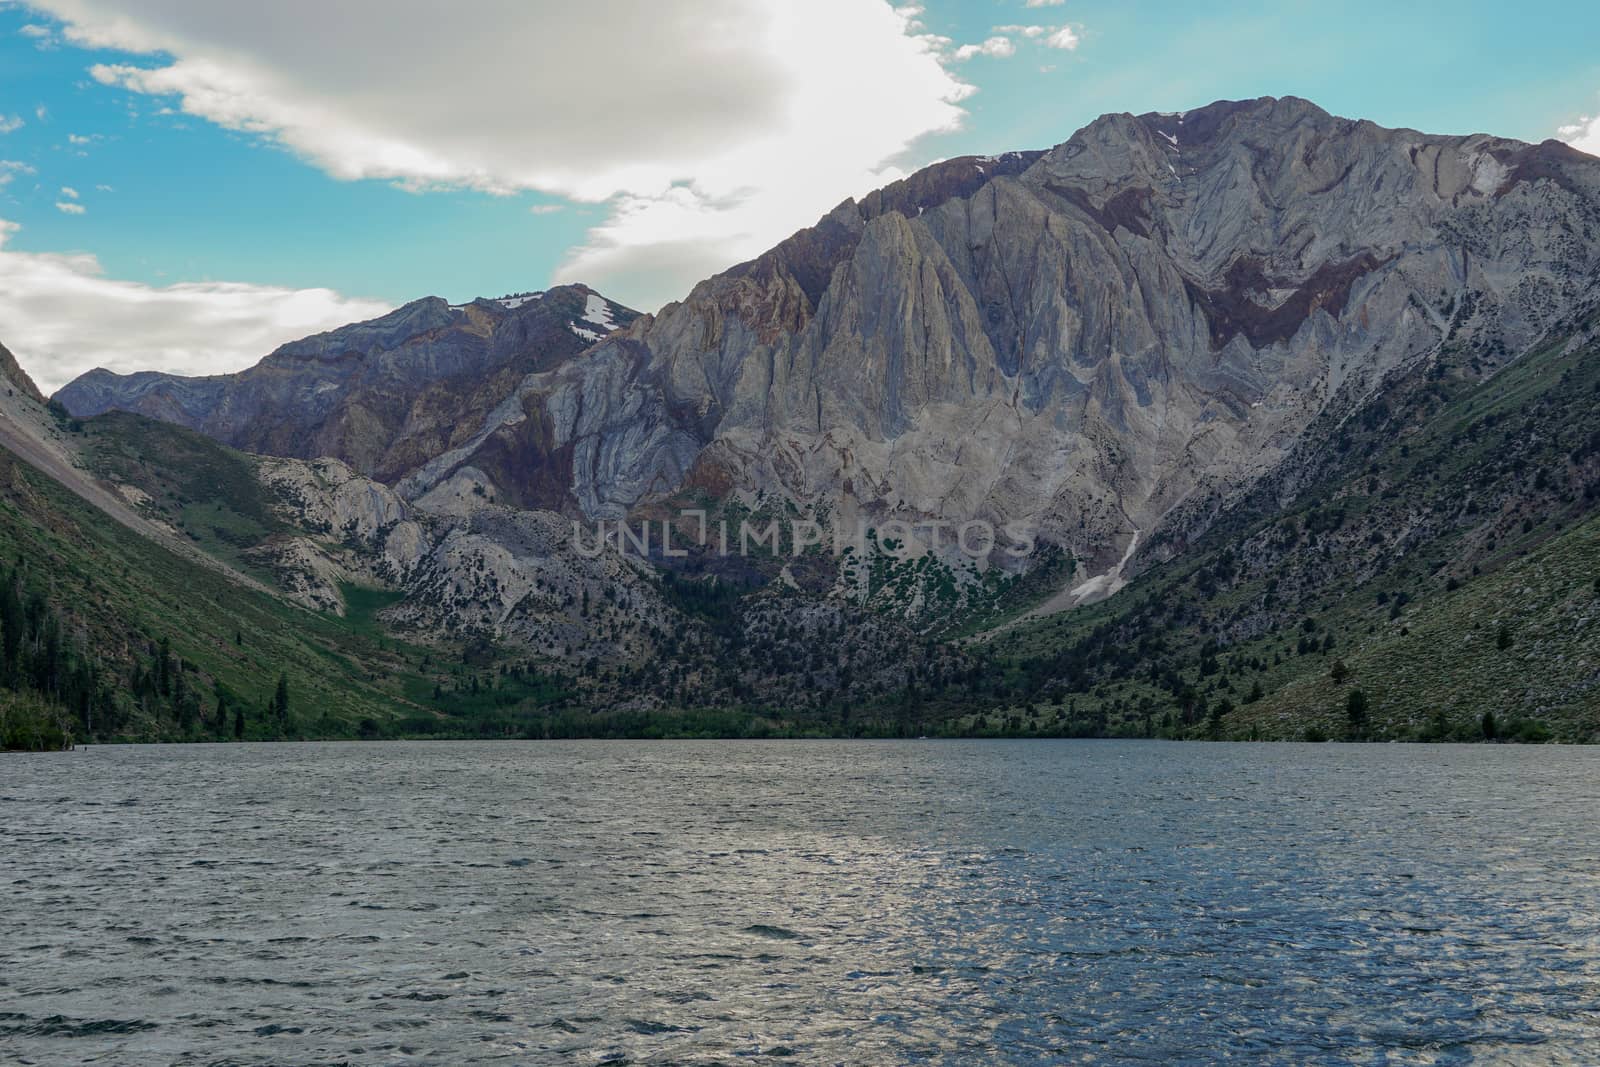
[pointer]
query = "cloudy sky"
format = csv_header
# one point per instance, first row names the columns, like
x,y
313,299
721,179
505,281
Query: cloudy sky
x,y
185,184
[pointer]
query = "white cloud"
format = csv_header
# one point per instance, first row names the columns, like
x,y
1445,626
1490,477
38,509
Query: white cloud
x,y
11,123
62,316
746,120
78,138
41,113
1060,37
105,189
10,168
1044,3
546,209
1584,135
67,207
35,31
1065,37
996,47
69,192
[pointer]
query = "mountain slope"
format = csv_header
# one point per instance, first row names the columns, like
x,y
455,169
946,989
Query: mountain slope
x,y
455,614
33,433
137,611
1436,550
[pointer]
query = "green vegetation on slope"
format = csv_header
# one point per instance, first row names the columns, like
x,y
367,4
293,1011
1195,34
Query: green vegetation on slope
x,y
205,490
182,651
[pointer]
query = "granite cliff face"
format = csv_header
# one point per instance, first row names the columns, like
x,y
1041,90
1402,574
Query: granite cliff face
x,y
385,395
1083,339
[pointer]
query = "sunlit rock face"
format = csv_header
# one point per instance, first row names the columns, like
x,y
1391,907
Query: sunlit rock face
x,y
1081,339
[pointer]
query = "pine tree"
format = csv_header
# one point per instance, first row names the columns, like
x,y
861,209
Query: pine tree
x,y
1355,708
11,625
280,702
164,667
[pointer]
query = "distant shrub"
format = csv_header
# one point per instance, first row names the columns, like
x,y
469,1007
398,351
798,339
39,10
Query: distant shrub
x,y
1528,731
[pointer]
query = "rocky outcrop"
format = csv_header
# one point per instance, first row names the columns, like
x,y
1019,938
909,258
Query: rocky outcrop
x,y
515,575
468,566
15,377
384,396
331,501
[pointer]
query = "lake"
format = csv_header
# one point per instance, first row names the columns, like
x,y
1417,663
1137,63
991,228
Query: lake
x,y
800,902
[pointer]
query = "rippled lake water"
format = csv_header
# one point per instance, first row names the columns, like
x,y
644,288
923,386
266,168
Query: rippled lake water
x,y
850,902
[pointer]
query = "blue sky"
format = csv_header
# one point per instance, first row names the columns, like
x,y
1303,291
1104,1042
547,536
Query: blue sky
x,y
197,150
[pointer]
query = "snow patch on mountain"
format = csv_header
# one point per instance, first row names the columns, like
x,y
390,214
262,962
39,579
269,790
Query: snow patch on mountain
x,y
597,309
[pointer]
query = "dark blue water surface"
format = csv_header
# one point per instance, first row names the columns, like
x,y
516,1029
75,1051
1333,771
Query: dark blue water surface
x,y
861,903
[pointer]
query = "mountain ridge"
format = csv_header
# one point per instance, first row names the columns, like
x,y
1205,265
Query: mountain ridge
x,y
383,394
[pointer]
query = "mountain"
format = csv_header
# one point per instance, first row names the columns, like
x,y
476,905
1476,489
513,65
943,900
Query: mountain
x,y
1085,339
385,395
1298,411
